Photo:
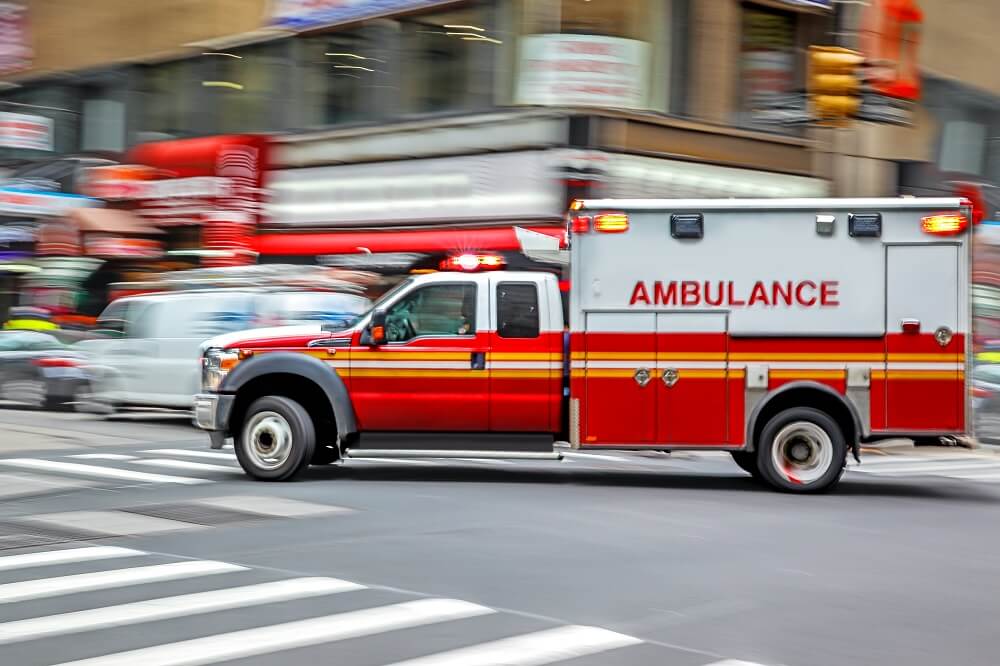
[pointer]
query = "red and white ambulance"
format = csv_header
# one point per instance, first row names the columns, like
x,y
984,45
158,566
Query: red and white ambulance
x,y
784,331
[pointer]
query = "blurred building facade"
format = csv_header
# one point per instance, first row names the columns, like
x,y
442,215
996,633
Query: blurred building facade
x,y
423,116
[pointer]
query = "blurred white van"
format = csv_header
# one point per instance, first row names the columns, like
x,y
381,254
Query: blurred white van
x,y
149,356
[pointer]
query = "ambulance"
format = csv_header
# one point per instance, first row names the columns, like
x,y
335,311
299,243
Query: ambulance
x,y
786,332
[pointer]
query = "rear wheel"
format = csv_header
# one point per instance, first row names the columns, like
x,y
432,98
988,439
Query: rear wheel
x,y
802,450
277,440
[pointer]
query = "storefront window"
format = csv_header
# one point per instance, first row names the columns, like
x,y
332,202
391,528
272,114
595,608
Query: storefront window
x,y
340,74
53,103
170,105
447,60
768,75
247,88
603,53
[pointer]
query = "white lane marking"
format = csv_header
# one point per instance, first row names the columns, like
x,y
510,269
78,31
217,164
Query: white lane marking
x,y
733,662
280,507
102,456
170,607
928,468
543,647
187,464
596,456
192,453
978,476
892,461
65,556
101,580
91,470
314,631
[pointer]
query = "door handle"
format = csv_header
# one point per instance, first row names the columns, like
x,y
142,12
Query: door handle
x,y
478,360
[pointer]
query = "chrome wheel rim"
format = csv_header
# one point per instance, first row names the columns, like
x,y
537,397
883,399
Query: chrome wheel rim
x,y
802,452
268,440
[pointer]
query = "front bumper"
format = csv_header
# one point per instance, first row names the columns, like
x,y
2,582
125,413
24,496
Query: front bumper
x,y
211,413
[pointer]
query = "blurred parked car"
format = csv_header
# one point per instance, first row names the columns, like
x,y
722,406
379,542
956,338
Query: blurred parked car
x,y
986,401
150,355
38,370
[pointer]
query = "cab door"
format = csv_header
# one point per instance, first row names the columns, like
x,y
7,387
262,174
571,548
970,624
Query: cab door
x,y
431,374
525,360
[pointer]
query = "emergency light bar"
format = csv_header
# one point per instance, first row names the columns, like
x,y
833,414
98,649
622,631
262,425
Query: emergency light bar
x,y
473,262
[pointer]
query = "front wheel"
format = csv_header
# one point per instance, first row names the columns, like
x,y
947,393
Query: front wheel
x,y
802,450
277,440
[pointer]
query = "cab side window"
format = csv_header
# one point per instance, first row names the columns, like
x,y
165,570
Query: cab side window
x,y
435,310
517,310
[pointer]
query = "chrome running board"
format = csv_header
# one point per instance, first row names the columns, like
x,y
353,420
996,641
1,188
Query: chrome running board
x,y
444,453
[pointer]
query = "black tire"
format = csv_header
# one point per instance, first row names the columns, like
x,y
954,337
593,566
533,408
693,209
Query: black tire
x,y
747,461
325,454
286,427
828,454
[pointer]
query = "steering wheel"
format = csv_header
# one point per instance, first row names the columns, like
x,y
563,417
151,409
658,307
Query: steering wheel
x,y
399,329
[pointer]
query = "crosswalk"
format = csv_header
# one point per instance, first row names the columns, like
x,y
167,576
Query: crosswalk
x,y
971,468
193,467
133,613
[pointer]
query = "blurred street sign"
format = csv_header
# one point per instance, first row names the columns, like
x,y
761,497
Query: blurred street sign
x,y
883,109
790,109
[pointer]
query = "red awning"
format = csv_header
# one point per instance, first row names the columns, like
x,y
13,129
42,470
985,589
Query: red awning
x,y
419,240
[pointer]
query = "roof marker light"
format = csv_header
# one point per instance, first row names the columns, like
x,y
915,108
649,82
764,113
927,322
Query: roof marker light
x,y
944,224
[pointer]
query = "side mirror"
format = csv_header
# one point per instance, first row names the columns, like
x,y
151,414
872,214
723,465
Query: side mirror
x,y
376,330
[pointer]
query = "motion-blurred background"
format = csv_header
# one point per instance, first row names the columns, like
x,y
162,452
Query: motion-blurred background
x,y
344,143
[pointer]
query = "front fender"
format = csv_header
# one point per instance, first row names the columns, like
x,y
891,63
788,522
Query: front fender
x,y
307,367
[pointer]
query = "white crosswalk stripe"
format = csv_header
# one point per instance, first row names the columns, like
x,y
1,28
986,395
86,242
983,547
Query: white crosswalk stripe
x,y
193,453
169,607
79,469
262,640
190,465
86,582
543,647
969,468
65,556
79,636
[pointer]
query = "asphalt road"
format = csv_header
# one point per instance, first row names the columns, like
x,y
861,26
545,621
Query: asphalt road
x,y
615,559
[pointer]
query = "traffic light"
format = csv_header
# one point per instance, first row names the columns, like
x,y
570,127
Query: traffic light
x,y
834,83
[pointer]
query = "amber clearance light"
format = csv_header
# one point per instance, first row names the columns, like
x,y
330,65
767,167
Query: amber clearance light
x,y
611,223
945,224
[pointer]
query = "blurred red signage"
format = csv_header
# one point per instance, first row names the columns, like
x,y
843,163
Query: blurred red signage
x,y
890,38
15,44
20,130
122,247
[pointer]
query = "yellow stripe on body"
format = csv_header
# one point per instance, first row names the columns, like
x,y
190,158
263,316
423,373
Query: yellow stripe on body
x,y
410,356
526,356
946,375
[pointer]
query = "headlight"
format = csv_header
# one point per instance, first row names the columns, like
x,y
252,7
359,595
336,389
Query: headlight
x,y
215,365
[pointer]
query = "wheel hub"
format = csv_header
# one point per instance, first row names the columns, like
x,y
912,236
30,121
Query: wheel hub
x,y
802,452
269,440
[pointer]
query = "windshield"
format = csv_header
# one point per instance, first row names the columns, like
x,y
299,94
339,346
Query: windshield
x,y
387,296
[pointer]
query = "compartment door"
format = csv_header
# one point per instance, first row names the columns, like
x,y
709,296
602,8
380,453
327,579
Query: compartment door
x,y
924,343
620,379
691,385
